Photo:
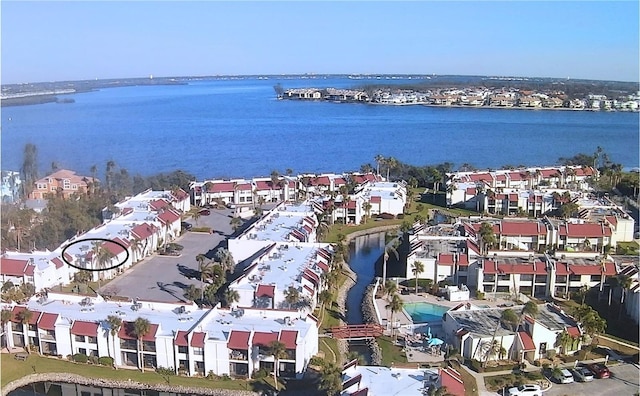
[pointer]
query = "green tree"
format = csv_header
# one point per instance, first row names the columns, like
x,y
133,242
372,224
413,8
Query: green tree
x,y
114,322
231,296
390,288
141,327
291,296
395,305
279,351
624,282
5,317
487,237
507,317
225,258
29,169
236,222
331,379
390,248
417,268
367,210
192,293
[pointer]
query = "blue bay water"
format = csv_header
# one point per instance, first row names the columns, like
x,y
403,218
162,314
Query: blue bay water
x,y
236,128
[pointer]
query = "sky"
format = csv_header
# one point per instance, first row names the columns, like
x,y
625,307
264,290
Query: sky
x,y
78,40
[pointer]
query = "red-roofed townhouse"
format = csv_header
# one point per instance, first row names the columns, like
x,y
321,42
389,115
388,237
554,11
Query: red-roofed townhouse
x,y
171,227
180,200
17,271
569,275
518,179
144,240
128,355
84,338
272,192
287,364
505,204
527,275
23,330
239,347
47,333
260,342
217,191
189,352
521,235
589,237
545,330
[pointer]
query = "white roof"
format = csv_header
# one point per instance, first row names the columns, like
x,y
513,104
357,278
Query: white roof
x,y
385,381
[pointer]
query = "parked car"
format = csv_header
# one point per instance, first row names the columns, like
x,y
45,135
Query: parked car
x,y
582,374
205,212
562,376
599,370
525,390
186,226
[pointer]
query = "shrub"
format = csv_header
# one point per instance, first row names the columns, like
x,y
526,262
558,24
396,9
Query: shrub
x,y
93,359
80,358
105,361
536,363
551,353
480,295
316,361
165,371
400,216
212,376
69,357
225,377
262,373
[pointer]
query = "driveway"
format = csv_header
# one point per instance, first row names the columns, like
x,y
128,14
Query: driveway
x,y
165,278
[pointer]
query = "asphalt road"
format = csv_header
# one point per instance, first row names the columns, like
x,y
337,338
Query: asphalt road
x,y
164,278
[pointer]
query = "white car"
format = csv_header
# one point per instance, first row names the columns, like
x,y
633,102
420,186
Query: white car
x,y
563,376
525,390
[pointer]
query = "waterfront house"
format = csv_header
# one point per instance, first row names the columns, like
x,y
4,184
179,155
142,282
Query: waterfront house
x,y
62,182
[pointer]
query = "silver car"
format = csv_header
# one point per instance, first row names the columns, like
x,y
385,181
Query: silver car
x,y
582,374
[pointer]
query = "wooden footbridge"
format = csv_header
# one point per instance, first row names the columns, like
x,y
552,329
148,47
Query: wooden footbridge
x,y
357,332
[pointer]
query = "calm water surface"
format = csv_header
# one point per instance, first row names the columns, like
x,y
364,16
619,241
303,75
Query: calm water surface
x,y
237,128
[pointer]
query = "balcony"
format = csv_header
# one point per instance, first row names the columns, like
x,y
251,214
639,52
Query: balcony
x,y
238,355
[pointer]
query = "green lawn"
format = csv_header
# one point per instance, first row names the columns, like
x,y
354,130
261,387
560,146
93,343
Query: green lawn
x,y
391,353
329,347
13,369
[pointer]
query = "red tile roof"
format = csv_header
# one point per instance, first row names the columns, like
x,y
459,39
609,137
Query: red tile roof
x,y
180,194
158,204
521,228
452,380
463,260
476,177
471,191
17,309
527,342
288,338
126,332
613,220
113,248
168,217
445,259
549,173
221,187
181,339
310,290
339,181
375,199
243,186
538,269
265,290
239,340
142,231
516,176
574,332
57,262
323,265
264,185
197,339
48,321
13,267
586,230
263,339
84,328
126,211
609,268
501,177
321,181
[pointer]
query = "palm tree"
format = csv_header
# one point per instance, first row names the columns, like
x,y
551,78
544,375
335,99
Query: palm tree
x,y
530,309
390,288
331,379
141,327
487,237
114,323
366,206
392,163
563,339
235,223
137,247
196,215
278,350
325,297
231,296
395,305
417,268
291,296
24,317
379,161
205,271
225,258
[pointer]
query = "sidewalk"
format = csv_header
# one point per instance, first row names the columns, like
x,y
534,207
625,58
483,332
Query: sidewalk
x,y
479,377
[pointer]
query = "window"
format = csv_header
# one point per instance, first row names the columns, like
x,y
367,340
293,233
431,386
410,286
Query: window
x,y
16,327
543,348
128,344
198,351
79,338
74,186
541,278
596,278
489,278
561,279
149,346
82,351
92,340
574,278
504,277
33,327
183,349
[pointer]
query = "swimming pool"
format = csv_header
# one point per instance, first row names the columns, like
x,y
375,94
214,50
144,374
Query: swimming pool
x,y
424,312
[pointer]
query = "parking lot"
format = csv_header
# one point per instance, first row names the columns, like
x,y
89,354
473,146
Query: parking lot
x,y
623,382
164,278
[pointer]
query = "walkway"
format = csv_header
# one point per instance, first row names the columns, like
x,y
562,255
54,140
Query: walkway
x,y
353,332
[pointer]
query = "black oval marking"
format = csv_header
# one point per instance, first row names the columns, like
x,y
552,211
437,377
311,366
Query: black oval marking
x,y
95,239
